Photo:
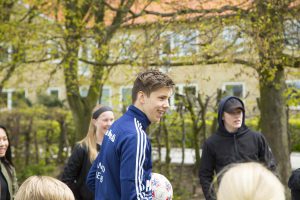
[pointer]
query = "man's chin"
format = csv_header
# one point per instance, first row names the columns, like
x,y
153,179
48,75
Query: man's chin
x,y
155,121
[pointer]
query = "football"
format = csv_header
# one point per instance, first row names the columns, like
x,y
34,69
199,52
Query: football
x,y
161,187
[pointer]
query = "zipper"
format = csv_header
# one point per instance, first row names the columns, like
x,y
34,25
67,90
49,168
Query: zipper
x,y
235,146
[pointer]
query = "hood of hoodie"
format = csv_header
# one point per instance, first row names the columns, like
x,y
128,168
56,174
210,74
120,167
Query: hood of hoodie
x,y
294,180
220,114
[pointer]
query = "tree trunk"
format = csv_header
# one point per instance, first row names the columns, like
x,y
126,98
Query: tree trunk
x,y
27,134
273,121
49,132
268,24
80,107
36,148
168,147
63,141
81,116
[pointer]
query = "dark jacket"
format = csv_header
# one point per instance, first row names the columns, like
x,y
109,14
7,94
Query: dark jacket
x,y
224,148
11,180
75,173
294,184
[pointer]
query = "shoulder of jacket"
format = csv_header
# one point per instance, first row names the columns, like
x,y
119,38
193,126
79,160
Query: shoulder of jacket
x,y
80,150
213,137
256,134
127,126
79,147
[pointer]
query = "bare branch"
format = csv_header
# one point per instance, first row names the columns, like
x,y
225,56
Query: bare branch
x,y
136,15
198,11
174,64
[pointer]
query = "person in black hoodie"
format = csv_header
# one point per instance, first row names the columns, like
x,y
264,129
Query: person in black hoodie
x,y
294,184
233,142
85,152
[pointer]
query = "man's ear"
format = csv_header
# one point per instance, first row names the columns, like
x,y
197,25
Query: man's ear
x,y
141,97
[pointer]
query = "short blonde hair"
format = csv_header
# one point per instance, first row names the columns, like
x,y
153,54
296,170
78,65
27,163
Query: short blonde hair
x,y
44,188
250,181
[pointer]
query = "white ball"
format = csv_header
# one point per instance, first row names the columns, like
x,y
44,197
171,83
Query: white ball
x,y
161,187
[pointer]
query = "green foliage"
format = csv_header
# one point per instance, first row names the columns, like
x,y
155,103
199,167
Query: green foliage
x,y
174,124
293,94
253,123
35,169
41,138
49,100
294,130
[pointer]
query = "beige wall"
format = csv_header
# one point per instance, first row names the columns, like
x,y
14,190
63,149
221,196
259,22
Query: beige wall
x,y
211,77
207,79
37,79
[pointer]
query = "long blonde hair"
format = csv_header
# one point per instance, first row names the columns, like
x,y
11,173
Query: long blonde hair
x,y
89,141
249,181
44,188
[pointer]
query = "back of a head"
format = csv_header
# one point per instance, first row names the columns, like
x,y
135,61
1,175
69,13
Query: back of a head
x,y
250,181
44,188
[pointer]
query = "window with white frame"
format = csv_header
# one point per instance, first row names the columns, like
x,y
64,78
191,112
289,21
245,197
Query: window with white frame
x,y
125,97
105,96
187,42
231,35
10,98
182,43
54,92
236,89
182,90
292,33
293,93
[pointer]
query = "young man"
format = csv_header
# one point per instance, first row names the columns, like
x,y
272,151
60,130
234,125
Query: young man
x,y
233,142
122,170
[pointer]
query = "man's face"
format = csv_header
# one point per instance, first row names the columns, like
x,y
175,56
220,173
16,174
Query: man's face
x,y
157,104
233,121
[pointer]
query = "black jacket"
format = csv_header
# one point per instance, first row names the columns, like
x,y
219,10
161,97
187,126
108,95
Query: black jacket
x,y
294,184
75,172
224,148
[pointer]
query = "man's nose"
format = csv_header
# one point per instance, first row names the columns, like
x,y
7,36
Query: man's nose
x,y
166,104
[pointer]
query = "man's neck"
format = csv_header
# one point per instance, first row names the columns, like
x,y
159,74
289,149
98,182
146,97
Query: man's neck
x,y
231,130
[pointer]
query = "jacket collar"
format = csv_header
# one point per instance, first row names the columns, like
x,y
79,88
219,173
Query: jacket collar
x,y
139,115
